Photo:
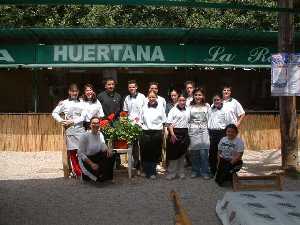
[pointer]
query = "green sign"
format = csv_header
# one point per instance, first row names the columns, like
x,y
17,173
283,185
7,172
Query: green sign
x,y
126,55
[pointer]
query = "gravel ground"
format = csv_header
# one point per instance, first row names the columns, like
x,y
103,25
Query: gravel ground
x,y
32,191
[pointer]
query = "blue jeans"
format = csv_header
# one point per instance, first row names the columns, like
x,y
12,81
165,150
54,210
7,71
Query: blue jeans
x,y
200,162
149,168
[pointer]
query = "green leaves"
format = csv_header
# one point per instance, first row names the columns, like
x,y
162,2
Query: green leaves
x,y
140,16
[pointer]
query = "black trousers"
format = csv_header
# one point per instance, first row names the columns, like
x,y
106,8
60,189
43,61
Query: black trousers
x,y
225,170
136,154
106,164
214,136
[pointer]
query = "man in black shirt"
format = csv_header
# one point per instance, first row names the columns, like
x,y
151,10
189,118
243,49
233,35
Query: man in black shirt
x,y
110,100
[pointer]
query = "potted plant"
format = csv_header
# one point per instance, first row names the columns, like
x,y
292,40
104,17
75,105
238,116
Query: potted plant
x,y
121,131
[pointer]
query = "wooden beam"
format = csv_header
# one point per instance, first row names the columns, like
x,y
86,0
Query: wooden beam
x,y
287,104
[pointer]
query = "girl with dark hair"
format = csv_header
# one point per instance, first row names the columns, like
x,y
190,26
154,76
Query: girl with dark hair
x,y
173,98
92,105
74,116
230,154
153,118
198,133
178,141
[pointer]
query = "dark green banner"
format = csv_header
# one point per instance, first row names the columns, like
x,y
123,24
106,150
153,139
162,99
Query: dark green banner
x,y
126,55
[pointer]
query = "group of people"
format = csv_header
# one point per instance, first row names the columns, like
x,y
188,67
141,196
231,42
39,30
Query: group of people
x,y
196,132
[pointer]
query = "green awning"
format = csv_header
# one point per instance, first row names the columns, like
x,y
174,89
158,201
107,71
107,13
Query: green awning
x,y
133,35
183,3
136,47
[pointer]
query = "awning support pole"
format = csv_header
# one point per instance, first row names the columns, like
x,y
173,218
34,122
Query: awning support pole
x,y
35,91
287,104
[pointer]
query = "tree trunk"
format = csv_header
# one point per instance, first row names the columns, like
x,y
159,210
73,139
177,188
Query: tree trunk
x,y
287,104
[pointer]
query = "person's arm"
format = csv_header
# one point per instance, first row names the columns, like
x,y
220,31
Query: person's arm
x,y
237,156
240,118
240,112
125,105
57,110
172,134
100,110
104,148
220,150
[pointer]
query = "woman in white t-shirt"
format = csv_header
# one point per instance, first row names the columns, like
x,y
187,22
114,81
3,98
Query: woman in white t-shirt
x,y
95,158
178,140
153,118
230,154
91,104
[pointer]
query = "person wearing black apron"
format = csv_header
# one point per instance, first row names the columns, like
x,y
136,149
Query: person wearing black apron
x,y
178,140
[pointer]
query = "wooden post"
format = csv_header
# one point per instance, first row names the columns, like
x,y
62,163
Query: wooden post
x,y
287,104
35,91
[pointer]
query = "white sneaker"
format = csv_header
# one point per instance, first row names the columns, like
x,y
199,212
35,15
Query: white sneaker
x,y
152,177
182,176
193,175
159,168
206,177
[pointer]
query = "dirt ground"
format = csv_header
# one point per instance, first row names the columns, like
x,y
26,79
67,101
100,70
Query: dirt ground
x,y
33,191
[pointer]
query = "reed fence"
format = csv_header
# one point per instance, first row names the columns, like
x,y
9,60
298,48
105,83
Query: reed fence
x,y
30,132
39,132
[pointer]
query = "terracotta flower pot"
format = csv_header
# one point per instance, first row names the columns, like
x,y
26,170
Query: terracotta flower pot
x,y
120,144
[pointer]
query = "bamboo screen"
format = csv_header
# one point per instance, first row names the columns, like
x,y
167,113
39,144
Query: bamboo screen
x,y
30,132
39,132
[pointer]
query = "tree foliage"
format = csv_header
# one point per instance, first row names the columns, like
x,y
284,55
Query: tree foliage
x,y
139,16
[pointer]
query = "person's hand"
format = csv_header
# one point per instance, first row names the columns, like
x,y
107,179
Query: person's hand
x,y
94,166
63,122
108,153
67,123
173,138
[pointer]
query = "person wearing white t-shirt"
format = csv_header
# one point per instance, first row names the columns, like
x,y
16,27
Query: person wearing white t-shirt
x,y
133,105
178,140
92,106
218,119
230,152
153,86
152,119
233,106
95,158
73,110
134,102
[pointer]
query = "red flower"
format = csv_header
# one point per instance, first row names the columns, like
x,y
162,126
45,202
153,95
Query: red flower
x,y
123,114
111,117
103,123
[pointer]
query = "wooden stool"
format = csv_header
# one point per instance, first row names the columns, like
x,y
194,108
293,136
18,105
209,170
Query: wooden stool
x,y
276,182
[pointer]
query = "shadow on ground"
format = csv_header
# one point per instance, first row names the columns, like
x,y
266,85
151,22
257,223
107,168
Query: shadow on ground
x,y
140,201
